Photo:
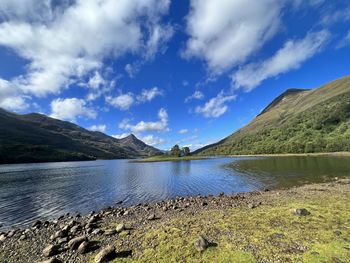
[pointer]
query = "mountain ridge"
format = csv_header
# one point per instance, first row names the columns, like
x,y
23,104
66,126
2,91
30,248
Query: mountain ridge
x,y
36,137
297,121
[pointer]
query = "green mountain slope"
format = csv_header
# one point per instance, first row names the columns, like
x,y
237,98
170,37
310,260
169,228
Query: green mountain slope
x,y
38,138
298,121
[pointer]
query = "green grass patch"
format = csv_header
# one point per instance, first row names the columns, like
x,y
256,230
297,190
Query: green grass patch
x,y
269,233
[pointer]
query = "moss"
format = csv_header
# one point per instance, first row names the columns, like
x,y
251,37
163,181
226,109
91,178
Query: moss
x,y
268,233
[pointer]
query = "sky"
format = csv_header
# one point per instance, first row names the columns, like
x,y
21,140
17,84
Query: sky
x,y
187,72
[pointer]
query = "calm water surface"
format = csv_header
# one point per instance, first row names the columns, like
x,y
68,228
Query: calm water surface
x,y
44,191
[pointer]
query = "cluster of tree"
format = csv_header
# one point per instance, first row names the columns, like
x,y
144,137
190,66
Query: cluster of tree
x,y
323,128
178,152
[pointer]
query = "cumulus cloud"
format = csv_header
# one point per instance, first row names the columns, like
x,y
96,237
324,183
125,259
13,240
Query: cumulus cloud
x,y
152,140
122,102
121,136
225,33
100,128
216,106
197,95
289,57
160,126
183,131
10,99
70,109
64,42
125,101
149,94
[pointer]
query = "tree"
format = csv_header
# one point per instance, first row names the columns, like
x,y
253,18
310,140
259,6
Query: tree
x,y
186,151
175,151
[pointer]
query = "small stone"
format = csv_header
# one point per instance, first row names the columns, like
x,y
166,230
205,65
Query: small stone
x,y
22,237
204,203
36,224
119,202
254,205
222,194
51,250
75,242
151,217
301,212
83,247
201,243
110,232
11,233
62,240
2,238
97,231
51,260
74,229
105,254
120,228
165,208
337,233
59,234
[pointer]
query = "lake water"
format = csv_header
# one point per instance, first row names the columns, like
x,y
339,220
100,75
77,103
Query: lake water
x,y
48,190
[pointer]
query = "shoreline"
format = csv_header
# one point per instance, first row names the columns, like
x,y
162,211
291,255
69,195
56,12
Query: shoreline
x,y
140,221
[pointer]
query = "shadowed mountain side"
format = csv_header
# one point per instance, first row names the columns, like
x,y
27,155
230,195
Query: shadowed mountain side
x,y
38,138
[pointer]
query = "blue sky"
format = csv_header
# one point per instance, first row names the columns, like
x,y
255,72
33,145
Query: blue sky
x,y
186,72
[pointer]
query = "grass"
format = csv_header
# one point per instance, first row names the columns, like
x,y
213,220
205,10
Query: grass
x,y
166,158
269,233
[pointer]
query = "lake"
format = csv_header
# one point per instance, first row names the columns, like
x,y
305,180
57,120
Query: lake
x,y
49,190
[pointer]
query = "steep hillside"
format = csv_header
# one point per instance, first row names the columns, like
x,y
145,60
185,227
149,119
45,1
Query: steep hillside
x,y
298,121
37,138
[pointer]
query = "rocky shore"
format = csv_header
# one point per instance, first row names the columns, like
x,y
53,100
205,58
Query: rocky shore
x,y
293,225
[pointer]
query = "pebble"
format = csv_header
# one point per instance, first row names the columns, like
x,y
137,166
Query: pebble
x,y
151,217
120,228
36,224
97,231
2,238
75,242
83,247
62,240
301,212
51,250
201,243
105,254
110,232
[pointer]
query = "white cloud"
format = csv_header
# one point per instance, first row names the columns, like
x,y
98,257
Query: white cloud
x,y
125,101
100,128
289,57
10,99
70,109
66,42
183,131
14,104
122,102
225,33
121,136
152,140
159,126
216,106
96,81
198,95
149,94
131,70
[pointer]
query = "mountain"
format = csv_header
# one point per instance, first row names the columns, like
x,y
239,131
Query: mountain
x,y
298,121
38,138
